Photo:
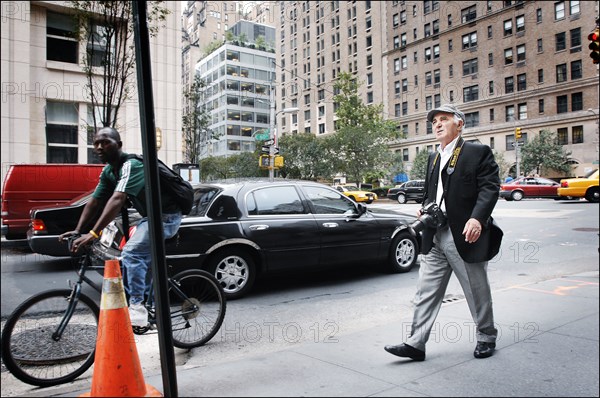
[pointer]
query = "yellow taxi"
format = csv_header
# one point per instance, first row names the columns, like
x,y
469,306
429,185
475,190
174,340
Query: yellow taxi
x,y
586,187
356,194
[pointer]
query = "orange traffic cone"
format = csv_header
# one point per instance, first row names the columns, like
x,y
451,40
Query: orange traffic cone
x,y
117,369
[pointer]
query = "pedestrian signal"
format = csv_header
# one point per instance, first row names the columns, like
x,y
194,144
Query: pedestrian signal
x,y
264,161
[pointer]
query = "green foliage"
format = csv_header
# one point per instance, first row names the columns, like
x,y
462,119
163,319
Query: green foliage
x,y
503,165
213,45
305,157
543,153
195,121
419,168
360,144
243,165
105,30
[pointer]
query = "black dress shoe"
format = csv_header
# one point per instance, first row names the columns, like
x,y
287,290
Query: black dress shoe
x,y
406,351
484,350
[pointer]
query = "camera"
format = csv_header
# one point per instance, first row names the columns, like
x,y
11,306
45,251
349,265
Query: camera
x,y
431,217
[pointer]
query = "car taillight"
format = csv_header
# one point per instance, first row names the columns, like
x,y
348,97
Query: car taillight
x,y
38,225
564,184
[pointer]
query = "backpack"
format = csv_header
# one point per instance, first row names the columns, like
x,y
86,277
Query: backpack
x,y
180,189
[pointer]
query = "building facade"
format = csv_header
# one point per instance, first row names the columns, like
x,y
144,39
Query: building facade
x,y
239,79
45,103
506,64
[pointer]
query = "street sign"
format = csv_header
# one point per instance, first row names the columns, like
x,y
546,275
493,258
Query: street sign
x,y
269,142
275,151
262,136
265,149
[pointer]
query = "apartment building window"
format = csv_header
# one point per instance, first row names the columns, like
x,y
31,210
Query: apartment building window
x,y
540,45
450,45
521,53
369,79
396,42
510,142
468,14
436,52
509,85
321,95
471,93
436,26
520,20
472,119
561,73
469,40
541,106
576,102
415,33
510,113
415,57
427,79
437,100
397,110
492,114
321,128
574,7
427,30
369,97
538,15
540,75
404,62
369,60
307,99
561,41
577,135
405,108
397,89
562,136
62,124
416,80
428,103
368,23
451,70
321,110
490,59
436,76
489,29
575,39
428,54
61,38
522,111
451,95
449,20
508,29
395,20
491,87
492,143
402,17
576,70
508,56
397,65
405,155
522,82
559,10
562,105
470,67
404,85
416,105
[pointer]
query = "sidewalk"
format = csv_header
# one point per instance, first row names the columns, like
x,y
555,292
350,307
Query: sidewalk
x,y
547,346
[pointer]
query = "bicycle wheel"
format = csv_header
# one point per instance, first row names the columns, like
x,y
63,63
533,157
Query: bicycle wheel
x,y
30,352
197,307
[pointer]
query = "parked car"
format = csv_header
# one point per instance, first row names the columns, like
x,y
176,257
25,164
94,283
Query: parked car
x,y
409,190
241,231
529,187
586,187
33,185
356,194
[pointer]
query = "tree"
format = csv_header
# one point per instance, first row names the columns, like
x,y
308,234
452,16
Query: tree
x,y
195,121
419,167
543,154
105,28
503,165
304,157
360,144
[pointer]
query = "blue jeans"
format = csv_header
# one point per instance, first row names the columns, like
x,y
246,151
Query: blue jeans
x,y
136,256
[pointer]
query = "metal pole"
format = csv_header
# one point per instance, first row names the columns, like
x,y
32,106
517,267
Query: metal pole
x,y
152,186
517,158
272,135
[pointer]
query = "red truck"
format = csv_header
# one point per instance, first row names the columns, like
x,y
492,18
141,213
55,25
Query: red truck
x,y
34,185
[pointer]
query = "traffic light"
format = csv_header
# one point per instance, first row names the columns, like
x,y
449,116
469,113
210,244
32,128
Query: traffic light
x,y
594,39
518,133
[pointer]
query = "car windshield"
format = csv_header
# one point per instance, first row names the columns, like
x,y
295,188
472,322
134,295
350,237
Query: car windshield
x,y
351,187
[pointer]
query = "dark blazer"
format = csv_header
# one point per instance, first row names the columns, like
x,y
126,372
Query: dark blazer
x,y
471,191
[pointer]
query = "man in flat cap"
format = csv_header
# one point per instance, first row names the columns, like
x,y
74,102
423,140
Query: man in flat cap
x,y
462,179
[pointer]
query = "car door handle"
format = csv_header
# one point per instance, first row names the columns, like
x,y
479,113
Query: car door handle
x,y
330,225
260,227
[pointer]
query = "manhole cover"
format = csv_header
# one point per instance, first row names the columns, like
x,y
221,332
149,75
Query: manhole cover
x,y
586,229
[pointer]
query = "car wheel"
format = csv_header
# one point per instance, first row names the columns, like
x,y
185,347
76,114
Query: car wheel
x,y
235,270
369,201
403,253
516,195
401,198
592,195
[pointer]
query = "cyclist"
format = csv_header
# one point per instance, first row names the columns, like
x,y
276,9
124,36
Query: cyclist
x,y
123,179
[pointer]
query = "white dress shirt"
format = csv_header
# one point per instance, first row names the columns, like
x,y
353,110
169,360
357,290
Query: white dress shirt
x,y
445,155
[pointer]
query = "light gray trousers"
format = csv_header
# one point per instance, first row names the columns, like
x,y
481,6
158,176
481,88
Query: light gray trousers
x,y
434,275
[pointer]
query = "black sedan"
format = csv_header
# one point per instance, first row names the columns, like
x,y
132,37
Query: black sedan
x,y
239,231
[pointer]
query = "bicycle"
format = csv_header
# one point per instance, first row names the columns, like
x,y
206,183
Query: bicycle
x,y
50,338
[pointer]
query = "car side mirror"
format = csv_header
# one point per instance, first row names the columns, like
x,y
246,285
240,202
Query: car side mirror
x,y
361,209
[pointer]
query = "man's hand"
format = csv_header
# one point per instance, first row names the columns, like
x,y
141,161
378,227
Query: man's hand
x,y
66,235
472,230
83,240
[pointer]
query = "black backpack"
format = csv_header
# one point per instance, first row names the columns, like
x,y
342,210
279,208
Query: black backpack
x,y
180,189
